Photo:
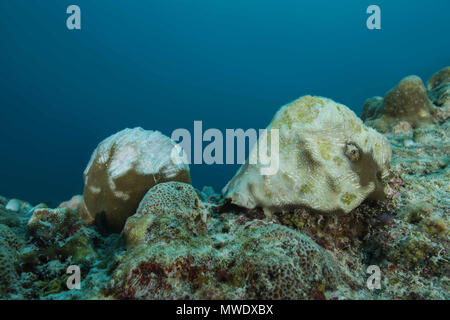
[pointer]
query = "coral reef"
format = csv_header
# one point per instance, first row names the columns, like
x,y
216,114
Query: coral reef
x,y
173,255
328,161
169,252
278,263
38,244
61,233
122,169
183,243
414,251
9,259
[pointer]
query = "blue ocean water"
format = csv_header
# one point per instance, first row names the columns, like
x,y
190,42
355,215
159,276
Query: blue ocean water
x,y
163,64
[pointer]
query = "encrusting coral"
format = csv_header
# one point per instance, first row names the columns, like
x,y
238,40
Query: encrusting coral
x,y
122,169
170,209
36,251
277,262
9,258
61,232
328,161
171,253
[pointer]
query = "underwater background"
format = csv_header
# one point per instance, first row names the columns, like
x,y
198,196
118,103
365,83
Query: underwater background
x,y
163,64
354,203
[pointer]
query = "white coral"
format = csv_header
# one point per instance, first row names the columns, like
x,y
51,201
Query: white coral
x,y
329,161
122,169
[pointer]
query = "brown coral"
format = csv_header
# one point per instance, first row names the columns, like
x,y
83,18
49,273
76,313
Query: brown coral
x,y
408,101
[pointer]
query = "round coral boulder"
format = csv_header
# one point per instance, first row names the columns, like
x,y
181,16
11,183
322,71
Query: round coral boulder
x,y
169,211
324,159
408,101
122,169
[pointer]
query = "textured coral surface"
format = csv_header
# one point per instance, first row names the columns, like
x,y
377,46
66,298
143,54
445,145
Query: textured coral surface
x,y
329,161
